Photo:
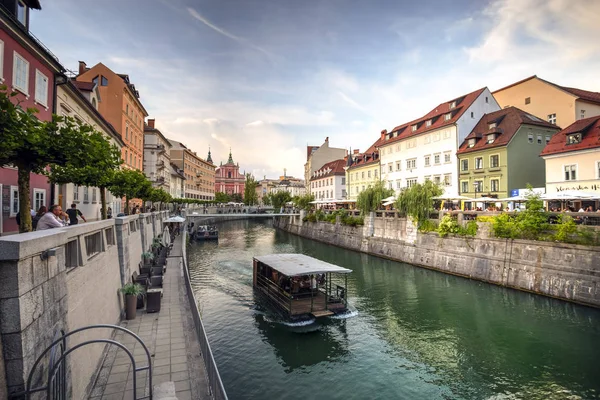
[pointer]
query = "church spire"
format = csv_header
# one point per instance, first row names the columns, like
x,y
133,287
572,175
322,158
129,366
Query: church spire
x,y
230,161
209,158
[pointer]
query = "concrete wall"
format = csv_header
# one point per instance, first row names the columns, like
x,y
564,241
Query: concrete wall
x,y
564,271
71,286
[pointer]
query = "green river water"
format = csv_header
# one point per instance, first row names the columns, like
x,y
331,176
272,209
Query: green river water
x,y
414,334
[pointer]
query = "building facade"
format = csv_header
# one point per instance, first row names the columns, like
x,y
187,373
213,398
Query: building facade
x,y
228,178
264,187
329,181
362,170
119,103
79,100
317,156
294,186
572,158
157,157
553,103
31,70
425,149
199,174
501,154
177,182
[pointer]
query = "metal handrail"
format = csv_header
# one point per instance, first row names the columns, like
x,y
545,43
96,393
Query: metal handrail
x,y
214,379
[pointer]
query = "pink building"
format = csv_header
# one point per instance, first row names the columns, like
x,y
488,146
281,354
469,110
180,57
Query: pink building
x,y
30,69
228,178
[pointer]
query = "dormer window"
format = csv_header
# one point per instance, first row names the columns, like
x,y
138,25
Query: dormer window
x,y
491,137
471,142
414,127
491,125
574,138
447,117
22,12
453,105
428,122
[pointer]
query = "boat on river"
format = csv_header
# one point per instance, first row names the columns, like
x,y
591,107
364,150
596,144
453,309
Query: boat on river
x,y
206,232
301,287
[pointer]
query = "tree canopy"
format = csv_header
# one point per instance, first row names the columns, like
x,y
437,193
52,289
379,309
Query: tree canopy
x,y
279,199
417,201
221,197
370,199
250,195
130,184
303,202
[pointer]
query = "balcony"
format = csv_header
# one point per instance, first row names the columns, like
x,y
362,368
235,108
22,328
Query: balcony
x,y
160,164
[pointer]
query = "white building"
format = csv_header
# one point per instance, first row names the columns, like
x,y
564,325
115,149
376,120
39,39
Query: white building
x,y
157,159
329,181
317,156
79,100
177,182
425,149
295,187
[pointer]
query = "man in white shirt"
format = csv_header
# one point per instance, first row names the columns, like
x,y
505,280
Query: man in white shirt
x,y
51,219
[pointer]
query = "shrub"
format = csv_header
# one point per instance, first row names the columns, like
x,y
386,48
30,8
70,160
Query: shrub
x,y
352,221
448,225
428,226
565,229
470,229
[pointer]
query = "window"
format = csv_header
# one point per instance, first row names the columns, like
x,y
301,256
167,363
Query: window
x,y
411,164
21,74
41,88
93,244
447,157
491,138
464,165
478,186
376,171
539,139
368,173
552,118
494,161
478,162
527,100
410,182
436,137
447,117
530,137
95,80
491,125
582,114
447,179
472,114
427,161
75,193
428,122
574,138
86,196
464,186
598,169
390,167
471,142
362,175
436,159
570,172
104,81
495,185
39,198
94,199
21,12
413,128
453,105
343,180
398,184
127,109
547,139
14,200
127,132
398,166
390,185
486,99
1,60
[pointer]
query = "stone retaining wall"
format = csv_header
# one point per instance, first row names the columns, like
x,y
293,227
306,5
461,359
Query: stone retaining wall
x,y
563,271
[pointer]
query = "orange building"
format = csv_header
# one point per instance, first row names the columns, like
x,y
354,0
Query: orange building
x,y
119,103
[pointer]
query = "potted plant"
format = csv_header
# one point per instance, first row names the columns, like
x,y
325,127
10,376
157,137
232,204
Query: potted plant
x,y
147,257
131,292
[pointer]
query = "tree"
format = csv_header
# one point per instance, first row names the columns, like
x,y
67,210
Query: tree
x,y
250,196
267,199
221,197
303,202
31,145
94,166
236,197
417,201
130,184
370,199
279,199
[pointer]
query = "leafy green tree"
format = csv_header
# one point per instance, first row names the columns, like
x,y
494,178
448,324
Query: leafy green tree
x,y
236,197
417,201
267,199
31,145
130,184
250,196
94,166
221,197
279,199
303,202
370,199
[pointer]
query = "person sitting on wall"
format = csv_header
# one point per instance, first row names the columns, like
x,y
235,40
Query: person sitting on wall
x,y
51,219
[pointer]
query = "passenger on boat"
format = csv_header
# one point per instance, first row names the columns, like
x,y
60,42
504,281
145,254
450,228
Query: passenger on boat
x,y
313,282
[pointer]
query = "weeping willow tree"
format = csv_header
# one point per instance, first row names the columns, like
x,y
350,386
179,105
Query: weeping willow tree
x,y
370,199
417,201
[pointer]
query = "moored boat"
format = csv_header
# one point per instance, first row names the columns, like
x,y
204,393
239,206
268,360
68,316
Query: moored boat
x,y
300,286
206,232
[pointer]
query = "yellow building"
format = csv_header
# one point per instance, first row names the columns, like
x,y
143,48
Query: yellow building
x,y
362,171
556,104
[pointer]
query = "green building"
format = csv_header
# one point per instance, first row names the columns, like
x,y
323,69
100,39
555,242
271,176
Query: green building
x,y
502,153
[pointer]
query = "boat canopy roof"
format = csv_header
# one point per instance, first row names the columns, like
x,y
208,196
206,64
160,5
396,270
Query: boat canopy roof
x,y
299,264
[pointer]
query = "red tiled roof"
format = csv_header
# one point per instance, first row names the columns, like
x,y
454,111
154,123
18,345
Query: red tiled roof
x,y
84,86
370,156
436,116
585,95
508,121
337,168
589,129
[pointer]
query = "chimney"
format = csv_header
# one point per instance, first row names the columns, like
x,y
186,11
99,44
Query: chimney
x,y
383,133
356,151
82,67
151,123
327,139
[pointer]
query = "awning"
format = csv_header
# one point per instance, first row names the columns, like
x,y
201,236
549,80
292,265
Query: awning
x,y
174,219
299,264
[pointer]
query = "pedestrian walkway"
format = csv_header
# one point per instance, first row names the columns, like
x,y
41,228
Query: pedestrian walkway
x,y
171,339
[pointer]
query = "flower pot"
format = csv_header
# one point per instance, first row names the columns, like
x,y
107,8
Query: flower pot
x,y
130,306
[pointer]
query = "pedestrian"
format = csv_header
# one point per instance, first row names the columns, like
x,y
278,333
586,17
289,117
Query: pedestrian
x,y
51,219
34,221
73,212
109,212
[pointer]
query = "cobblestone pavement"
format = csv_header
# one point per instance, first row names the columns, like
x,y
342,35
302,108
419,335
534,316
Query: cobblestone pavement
x,y
171,339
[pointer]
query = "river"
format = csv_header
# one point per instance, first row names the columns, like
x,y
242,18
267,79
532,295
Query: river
x,y
414,334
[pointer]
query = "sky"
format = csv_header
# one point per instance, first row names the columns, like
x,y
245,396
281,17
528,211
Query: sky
x,y
266,78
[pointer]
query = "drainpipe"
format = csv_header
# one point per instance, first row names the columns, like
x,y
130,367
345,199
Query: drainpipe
x,y
59,79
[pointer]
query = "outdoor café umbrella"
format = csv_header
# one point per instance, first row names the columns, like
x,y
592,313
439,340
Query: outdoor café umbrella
x,y
388,199
569,195
452,197
166,238
485,200
174,219
514,198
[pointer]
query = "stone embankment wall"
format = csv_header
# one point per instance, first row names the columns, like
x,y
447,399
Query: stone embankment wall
x,y
563,271
64,279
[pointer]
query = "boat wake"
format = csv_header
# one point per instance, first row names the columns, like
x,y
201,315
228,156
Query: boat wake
x,y
345,315
289,323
